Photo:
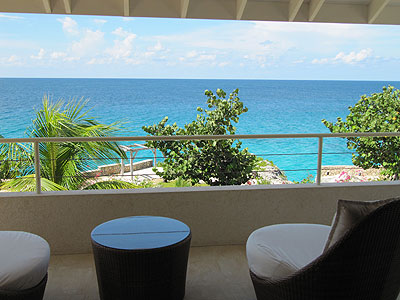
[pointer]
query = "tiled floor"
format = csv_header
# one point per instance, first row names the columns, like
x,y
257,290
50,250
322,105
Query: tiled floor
x,y
214,273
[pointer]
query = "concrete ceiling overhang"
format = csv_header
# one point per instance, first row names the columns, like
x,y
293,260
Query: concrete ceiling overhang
x,y
331,11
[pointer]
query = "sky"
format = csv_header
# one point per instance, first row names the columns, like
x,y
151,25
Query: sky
x,y
67,46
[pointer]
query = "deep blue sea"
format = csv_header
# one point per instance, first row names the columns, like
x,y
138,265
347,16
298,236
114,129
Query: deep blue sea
x,y
275,106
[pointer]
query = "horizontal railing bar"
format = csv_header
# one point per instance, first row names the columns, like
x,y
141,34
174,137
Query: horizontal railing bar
x,y
162,157
152,174
297,170
196,137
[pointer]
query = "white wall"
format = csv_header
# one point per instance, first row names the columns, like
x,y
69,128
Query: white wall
x,y
216,215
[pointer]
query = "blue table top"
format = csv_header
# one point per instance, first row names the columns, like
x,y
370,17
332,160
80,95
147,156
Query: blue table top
x,y
142,232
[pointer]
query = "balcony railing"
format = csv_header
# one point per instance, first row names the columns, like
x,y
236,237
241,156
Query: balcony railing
x,y
320,136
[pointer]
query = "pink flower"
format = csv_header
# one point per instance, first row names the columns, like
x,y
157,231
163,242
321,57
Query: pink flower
x,y
343,177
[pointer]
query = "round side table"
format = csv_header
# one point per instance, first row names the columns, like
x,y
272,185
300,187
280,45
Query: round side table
x,y
141,257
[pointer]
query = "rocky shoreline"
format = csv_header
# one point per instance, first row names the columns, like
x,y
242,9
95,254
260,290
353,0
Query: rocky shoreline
x,y
349,173
271,174
266,173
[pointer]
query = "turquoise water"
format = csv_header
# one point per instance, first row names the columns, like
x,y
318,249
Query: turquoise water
x,y
275,106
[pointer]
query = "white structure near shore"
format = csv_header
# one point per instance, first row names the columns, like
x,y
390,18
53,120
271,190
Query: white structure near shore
x,y
270,174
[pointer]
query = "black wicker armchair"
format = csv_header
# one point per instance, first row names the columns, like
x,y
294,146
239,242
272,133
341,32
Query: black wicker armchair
x,y
364,264
35,293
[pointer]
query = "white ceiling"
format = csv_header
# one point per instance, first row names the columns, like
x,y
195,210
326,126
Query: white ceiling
x,y
332,11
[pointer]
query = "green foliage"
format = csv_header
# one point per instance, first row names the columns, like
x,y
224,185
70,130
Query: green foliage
x,y
262,180
221,162
13,160
28,184
61,163
262,163
179,182
110,185
376,113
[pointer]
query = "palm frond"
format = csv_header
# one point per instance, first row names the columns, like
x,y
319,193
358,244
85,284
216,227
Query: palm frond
x,y
15,159
111,185
62,164
28,184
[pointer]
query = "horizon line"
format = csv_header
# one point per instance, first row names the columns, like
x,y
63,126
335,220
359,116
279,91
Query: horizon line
x,y
160,78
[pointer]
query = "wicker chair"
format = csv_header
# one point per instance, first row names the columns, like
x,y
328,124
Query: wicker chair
x,y
35,293
364,264
23,268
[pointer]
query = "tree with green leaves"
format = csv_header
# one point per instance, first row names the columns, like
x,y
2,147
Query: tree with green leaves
x,y
62,163
216,162
376,113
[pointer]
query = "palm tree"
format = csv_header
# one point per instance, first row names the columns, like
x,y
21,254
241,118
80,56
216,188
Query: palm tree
x,y
62,164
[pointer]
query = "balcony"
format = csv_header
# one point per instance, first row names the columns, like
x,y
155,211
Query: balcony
x,y
220,218
218,272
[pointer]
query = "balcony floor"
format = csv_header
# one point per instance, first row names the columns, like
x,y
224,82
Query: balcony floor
x,y
214,273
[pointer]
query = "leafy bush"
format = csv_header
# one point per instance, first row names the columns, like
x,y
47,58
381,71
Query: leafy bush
x,y
376,113
216,162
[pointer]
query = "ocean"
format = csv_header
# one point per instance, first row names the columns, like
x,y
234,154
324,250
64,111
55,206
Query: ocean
x,y
275,106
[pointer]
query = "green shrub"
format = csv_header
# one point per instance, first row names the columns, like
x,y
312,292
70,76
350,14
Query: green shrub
x,y
216,162
376,113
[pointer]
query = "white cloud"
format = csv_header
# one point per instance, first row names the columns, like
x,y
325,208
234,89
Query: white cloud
x,y
229,40
11,17
223,64
71,58
326,29
40,55
133,61
192,54
98,61
69,25
12,59
206,57
89,43
121,32
122,47
320,61
195,58
149,54
128,19
57,55
100,21
271,43
351,58
157,47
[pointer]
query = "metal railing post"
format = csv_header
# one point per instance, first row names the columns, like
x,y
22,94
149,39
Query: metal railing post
x,y
37,168
131,164
319,167
122,166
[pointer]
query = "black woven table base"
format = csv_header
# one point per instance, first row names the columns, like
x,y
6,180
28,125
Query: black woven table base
x,y
363,265
35,293
148,274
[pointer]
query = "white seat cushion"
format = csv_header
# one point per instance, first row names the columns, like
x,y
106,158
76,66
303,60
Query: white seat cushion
x,y
278,251
24,259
